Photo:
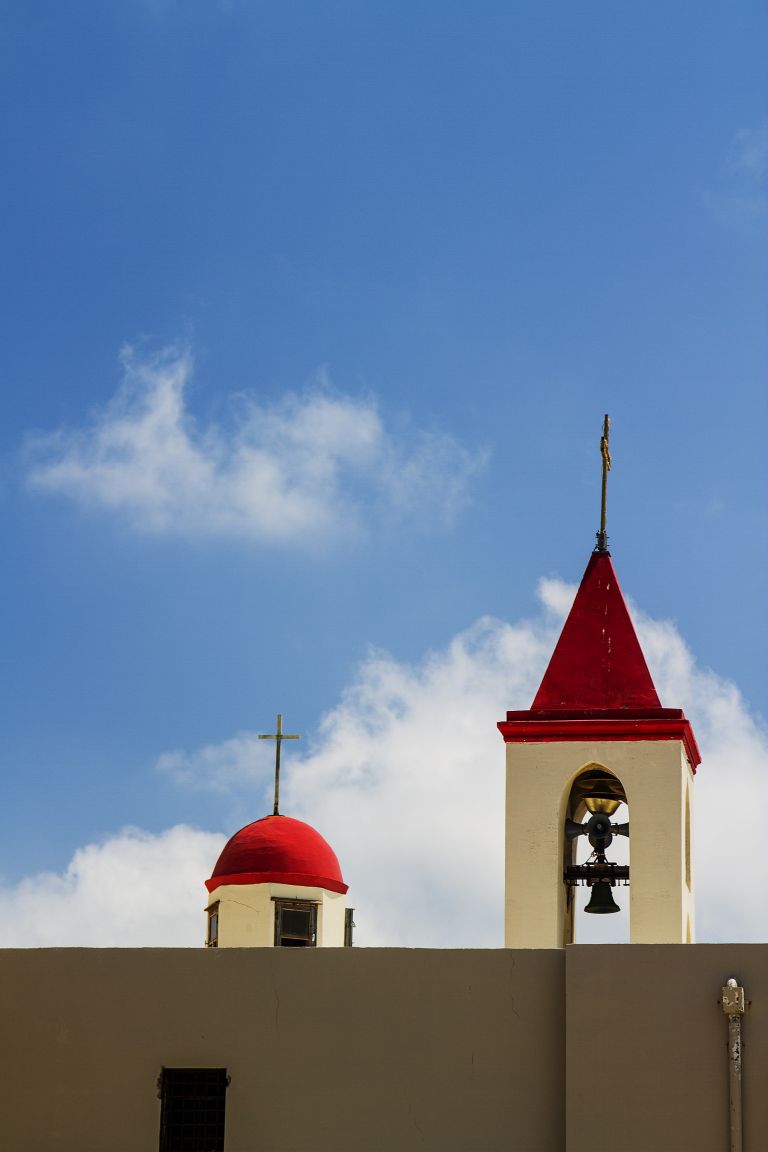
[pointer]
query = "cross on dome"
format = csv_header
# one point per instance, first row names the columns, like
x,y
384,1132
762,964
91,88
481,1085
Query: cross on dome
x,y
278,737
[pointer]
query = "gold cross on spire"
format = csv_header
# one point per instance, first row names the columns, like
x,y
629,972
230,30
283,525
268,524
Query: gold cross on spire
x,y
278,737
605,452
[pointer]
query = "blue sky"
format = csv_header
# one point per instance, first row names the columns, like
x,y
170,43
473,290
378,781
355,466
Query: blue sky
x,y
312,313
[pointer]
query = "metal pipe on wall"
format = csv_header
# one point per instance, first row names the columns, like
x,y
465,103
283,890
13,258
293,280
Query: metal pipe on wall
x,y
732,1001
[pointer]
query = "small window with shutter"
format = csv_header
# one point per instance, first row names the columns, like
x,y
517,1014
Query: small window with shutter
x,y
295,924
212,935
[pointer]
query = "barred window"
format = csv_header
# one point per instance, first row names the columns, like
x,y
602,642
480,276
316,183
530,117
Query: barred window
x,y
192,1109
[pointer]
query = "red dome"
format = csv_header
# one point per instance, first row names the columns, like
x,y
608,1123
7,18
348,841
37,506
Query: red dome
x,y
278,849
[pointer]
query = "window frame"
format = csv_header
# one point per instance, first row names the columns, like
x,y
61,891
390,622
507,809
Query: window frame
x,y
311,906
206,1108
212,938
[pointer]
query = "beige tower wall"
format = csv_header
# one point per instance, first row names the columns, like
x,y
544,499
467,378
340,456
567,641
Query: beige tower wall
x,y
655,775
247,913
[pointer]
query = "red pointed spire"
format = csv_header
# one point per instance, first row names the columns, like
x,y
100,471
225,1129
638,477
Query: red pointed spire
x,y
597,663
597,685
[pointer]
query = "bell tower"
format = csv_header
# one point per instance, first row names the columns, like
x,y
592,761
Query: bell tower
x,y
596,736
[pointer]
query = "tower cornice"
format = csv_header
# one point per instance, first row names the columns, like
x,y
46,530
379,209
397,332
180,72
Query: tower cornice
x,y
547,726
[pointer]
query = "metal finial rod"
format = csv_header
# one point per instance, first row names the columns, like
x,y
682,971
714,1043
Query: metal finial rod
x,y
278,737
605,452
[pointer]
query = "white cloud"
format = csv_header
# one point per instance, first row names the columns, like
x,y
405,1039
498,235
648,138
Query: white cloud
x,y
220,767
407,782
739,195
405,778
731,790
133,890
556,596
306,468
749,151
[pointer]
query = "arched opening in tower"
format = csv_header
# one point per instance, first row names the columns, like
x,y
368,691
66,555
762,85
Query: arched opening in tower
x,y
596,858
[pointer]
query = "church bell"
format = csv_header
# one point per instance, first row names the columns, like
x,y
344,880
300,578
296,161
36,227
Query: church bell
x,y
601,899
601,795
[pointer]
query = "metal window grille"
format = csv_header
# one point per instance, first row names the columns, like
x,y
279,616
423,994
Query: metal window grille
x,y
295,924
192,1109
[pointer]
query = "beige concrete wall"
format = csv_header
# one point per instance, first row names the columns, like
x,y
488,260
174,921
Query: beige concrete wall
x,y
328,1049
593,1048
646,1048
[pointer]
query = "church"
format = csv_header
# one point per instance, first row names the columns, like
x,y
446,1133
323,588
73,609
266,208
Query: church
x,y
281,1036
